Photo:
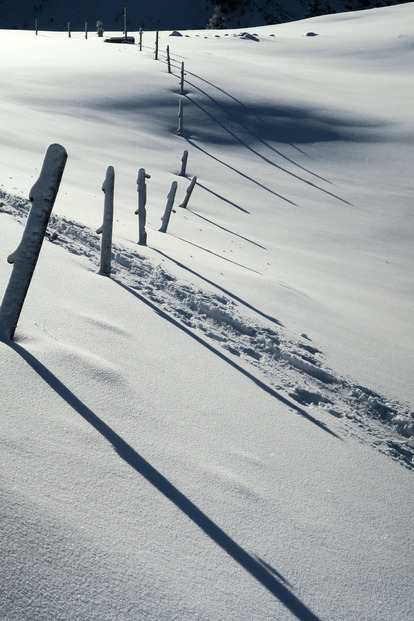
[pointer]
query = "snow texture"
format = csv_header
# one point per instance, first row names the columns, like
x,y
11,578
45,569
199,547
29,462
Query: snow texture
x,y
223,429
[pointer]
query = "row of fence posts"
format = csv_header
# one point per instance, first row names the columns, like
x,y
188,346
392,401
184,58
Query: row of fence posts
x,y
42,196
182,74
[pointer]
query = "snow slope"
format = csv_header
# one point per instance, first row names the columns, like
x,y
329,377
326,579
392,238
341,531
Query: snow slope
x,y
222,430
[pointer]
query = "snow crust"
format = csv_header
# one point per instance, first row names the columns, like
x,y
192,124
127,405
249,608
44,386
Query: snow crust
x,y
223,428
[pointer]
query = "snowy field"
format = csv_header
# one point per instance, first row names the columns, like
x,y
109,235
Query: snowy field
x,y
223,429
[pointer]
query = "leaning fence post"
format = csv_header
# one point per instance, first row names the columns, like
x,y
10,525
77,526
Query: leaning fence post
x,y
141,211
182,79
180,117
168,59
168,208
106,228
183,164
156,45
189,191
24,259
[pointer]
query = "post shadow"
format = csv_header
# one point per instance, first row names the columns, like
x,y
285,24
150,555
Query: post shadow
x,y
217,255
273,393
268,577
238,172
267,160
222,198
220,288
266,144
223,228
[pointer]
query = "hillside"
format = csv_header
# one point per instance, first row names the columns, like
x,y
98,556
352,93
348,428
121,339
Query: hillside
x,y
164,14
222,429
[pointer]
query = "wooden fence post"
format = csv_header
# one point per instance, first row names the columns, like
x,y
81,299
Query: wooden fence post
x,y
24,259
36,25
86,30
168,208
140,39
183,164
141,211
156,45
168,59
69,33
182,79
188,193
125,24
106,228
180,118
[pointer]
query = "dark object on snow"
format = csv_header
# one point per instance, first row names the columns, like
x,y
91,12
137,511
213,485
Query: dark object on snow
x,y
24,259
99,28
130,40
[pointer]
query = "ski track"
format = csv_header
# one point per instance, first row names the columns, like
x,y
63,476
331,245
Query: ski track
x,y
291,365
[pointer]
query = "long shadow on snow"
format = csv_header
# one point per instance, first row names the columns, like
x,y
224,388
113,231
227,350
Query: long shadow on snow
x,y
267,160
266,128
223,228
217,255
261,185
226,200
233,364
263,573
220,288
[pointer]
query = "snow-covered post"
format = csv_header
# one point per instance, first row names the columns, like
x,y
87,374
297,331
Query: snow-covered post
x,y
106,228
183,164
189,191
182,79
168,59
168,208
180,117
24,259
141,211
86,30
125,23
140,39
99,28
69,35
156,45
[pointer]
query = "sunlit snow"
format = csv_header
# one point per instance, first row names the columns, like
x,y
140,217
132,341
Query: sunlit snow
x,y
223,428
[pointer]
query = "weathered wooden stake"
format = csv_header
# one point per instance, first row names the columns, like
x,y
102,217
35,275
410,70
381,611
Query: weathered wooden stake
x,y
182,79
180,117
168,208
125,23
24,259
156,45
140,39
36,25
69,33
188,193
106,228
86,30
183,164
141,211
168,59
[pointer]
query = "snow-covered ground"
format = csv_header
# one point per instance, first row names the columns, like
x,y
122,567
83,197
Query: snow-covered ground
x,y
222,429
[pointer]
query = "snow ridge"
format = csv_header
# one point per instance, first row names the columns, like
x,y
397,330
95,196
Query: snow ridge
x,y
292,365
